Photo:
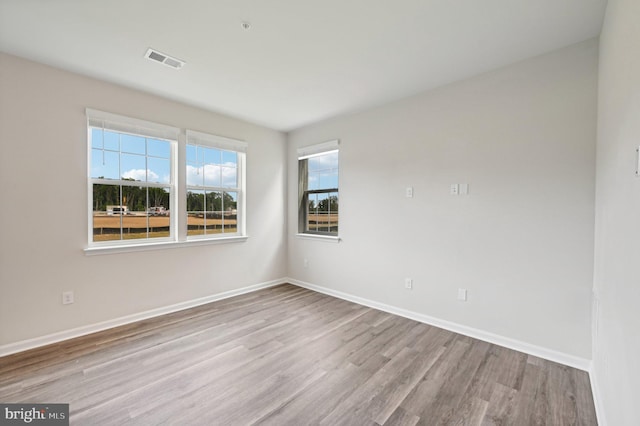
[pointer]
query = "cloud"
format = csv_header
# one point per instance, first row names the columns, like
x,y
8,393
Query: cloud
x,y
141,175
212,173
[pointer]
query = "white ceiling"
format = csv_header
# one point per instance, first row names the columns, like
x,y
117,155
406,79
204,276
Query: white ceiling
x,y
302,61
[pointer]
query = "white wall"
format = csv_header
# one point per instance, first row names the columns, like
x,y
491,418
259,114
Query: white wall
x,y
521,242
43,156
616,349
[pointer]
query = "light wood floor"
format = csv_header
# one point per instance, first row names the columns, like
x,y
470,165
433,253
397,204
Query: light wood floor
x,y
290,356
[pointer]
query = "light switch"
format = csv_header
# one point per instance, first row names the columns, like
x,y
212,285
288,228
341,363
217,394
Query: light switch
x,y
409,192
462,294
408,283
464,188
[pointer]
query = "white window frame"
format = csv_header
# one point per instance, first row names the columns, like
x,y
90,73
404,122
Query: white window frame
x,y
225,144
177,185
132,126
305,153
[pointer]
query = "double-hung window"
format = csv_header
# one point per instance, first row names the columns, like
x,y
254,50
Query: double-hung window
x,y
318,193
131,179
148,183
215,174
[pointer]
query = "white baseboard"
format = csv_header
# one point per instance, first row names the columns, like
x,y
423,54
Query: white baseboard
x,y
528,348
24,345
541,352
597,398
562,358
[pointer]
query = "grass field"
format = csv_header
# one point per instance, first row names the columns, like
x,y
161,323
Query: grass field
x,y
107,228
322,222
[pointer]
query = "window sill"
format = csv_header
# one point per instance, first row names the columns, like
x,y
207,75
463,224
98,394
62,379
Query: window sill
x,y
98,250
325,238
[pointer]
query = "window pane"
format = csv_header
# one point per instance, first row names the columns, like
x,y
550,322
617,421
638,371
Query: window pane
x,y
213,212
195,200
196,220
96,138
328,180
329,161
105,196
195,176
158,148
133,167
212,175
230,212
104,140
159,170
132,144
134,218
104,164
191,154
209,211
313,181
229,177
159,201
158,213
130,212
323,171
315,164
211,155
212,201
211,167
229,158
111,141
332,212
323,212
134,198
312,213
106,224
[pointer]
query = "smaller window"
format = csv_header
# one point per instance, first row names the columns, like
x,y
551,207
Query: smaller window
x,y
215,186
318,202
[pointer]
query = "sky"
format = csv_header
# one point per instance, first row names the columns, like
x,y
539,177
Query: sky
x,y
117,155
323,171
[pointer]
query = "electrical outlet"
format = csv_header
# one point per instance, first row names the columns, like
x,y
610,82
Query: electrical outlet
x,y
408,283
67,297
454,189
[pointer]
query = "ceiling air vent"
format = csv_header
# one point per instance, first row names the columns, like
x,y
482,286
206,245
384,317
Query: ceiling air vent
x,y
167,60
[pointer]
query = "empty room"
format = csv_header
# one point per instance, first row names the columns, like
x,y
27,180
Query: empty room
x,y
419,212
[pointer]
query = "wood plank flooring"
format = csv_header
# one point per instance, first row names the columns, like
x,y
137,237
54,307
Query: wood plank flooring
x,y
290,356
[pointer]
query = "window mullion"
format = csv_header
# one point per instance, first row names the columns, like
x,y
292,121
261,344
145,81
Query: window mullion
x,y
120,215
